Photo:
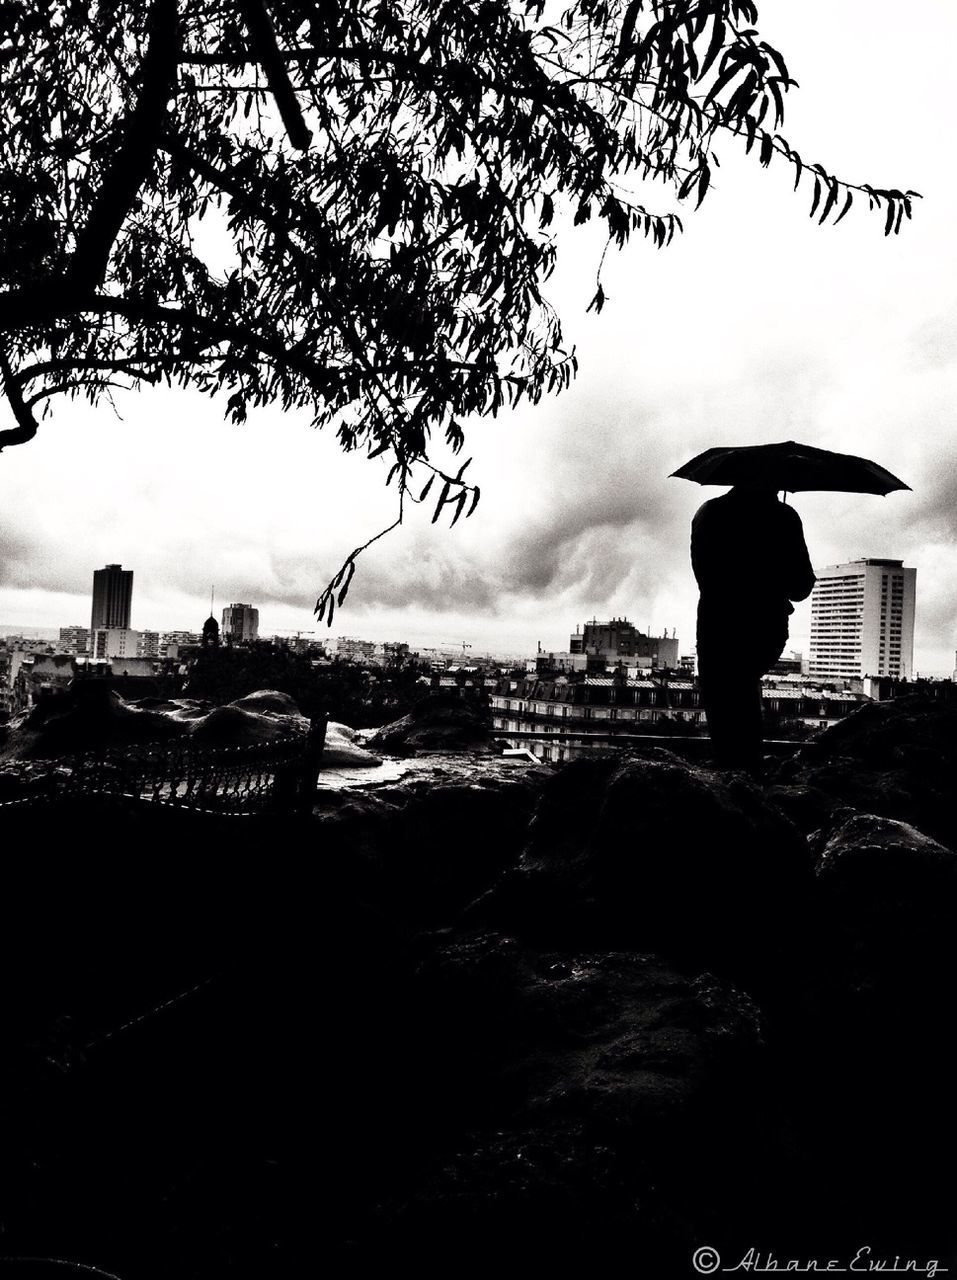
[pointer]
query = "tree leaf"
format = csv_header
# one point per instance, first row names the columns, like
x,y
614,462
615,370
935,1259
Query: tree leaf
x,y
848,201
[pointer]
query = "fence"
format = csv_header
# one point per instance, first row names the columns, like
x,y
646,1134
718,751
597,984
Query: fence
x,y
692,743
276,776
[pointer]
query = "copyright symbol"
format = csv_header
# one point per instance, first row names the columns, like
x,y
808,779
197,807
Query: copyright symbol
x,y
706,1260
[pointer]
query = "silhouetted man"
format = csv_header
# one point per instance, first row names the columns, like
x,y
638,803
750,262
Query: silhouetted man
x,y
750,559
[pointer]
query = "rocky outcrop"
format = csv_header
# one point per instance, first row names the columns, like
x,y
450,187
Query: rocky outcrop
x,y
897,759
889,893
268,702
625,1007
232,726
651,852
423,845
439,723
344,750
98,719
95,717
585,1088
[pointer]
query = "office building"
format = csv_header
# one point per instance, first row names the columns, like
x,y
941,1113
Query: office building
x,y
240,624
112,597
862,620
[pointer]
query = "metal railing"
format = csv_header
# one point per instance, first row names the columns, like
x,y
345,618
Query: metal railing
x,y
279,775
774,746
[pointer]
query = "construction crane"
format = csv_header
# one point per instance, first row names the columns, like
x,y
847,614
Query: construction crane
x,y
296,634
456,643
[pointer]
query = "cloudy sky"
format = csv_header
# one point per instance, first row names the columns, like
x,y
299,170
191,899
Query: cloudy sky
x,y
755,325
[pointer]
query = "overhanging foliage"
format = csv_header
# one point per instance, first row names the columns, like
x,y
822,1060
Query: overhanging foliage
x,y
388,174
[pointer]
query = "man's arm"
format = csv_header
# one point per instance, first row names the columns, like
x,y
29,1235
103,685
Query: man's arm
x,y
798,571
699,545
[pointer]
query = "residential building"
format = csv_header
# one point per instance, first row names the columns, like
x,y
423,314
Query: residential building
x,y
130,667
27,644
240,624
349,649
172,643
611,706
34,676
148,644
619,640
560,663
114,642
75,639
789,664
112,597
862,620
391,653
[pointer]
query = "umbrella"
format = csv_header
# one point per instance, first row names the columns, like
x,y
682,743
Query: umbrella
x,y
789,466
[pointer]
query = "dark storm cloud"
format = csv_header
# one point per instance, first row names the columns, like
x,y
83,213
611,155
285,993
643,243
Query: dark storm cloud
x,y
30,559
584,527
17,552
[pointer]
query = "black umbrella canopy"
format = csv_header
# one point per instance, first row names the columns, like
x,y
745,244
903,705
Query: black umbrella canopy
x,y
789,466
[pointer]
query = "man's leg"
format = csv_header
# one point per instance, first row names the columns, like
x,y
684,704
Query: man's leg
x,y
732,704
720,694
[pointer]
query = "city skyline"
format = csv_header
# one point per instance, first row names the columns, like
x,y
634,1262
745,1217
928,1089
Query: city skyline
x,y
832,335
837,586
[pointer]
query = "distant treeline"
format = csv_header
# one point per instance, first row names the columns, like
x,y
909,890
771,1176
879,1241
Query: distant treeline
x,y
348,693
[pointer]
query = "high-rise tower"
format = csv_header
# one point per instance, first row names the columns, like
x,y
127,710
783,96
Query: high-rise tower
x,y
862,620
240,623
112,597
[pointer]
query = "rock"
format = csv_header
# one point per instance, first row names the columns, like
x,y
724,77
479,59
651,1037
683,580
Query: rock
x,y
234,726
188,709
897,759
653,852
617,1036
268,702
154,704
891,895
342,749
422,846
97,720
865,854
95,717
886,944
439,723
887,734
589,1087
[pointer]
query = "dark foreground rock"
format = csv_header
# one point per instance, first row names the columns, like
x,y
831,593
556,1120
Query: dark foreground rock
x,y
426,843
586,1089
889,894
511,1014
94,717
897,759
651,852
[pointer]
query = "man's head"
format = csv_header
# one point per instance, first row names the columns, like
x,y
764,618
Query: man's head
x,y
755,489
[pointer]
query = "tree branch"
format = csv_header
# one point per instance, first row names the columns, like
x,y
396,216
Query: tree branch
x,y
26,427
119,365
135,158
263,40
